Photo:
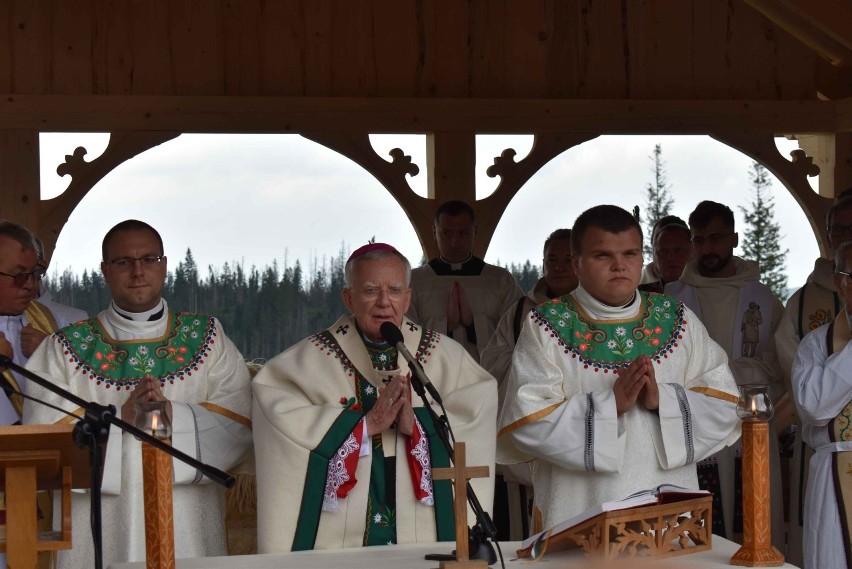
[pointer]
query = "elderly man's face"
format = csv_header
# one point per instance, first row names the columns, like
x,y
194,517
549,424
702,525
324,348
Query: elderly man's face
x,y
15,260
672,252
134,270
610,264
714,246
454,235
558,268
379,294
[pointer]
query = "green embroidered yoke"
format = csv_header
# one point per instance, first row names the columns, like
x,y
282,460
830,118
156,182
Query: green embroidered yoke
x,y
122,364
610,345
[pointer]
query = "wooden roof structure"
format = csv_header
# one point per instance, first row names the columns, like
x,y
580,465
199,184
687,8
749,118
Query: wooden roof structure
x,y
566,71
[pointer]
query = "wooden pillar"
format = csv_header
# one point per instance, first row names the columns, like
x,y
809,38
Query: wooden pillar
x,y
832,152
451,175
21,520
19,177
159,509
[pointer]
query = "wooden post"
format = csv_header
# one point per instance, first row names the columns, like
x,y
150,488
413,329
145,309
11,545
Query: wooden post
x,y
757,549
460,473
21,520
159,509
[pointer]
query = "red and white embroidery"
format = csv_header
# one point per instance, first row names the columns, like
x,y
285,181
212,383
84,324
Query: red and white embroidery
x,y
341,473
421,466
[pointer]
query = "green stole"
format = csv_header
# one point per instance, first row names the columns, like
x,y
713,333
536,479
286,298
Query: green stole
x,y
345,342
840,430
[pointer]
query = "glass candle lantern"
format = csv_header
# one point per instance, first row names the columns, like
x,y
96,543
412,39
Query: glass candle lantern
x,y
754,403
152,418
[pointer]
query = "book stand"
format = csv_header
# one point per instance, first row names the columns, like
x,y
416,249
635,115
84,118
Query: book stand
x,y
664,530
38,457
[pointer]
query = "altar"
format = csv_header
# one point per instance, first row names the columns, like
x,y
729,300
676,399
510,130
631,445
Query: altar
x,y
411,557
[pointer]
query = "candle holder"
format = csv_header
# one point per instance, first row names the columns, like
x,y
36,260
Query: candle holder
x,y
152,418
755,409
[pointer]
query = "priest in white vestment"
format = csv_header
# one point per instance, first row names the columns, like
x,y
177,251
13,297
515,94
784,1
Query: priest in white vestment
x,y
812,306
457,293
612,390
741,314
344,450
139,350
822,389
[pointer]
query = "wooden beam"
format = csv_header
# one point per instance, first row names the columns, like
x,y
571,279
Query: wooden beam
x,y
812,24
103,113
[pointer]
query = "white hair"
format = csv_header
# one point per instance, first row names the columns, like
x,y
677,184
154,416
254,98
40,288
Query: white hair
x,y
349,269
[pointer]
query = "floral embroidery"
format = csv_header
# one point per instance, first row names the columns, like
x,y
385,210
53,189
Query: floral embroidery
x,y
186,344
385,519
350,403
605,346
819,318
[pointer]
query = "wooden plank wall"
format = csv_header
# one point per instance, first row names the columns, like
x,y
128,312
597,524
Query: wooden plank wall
x,y
634,49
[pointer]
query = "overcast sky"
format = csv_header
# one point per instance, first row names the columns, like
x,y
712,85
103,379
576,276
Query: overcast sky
x,y
253,198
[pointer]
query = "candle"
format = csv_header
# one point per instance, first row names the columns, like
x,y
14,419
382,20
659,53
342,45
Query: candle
x,y
155,418
753,407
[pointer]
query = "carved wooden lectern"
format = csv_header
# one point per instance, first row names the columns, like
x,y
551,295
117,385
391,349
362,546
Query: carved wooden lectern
x,y
38,457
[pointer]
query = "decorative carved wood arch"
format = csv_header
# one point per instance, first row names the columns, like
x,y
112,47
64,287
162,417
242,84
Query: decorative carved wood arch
x,y
420,211
122,146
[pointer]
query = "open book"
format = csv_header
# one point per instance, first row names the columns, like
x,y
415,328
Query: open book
x,y
662,494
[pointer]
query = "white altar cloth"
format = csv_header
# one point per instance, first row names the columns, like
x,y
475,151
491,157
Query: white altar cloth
x,y
411,557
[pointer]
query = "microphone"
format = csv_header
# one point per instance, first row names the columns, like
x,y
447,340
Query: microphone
x,y
392,335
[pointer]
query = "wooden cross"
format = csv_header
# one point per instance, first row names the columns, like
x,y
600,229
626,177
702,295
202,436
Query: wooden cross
x,y
460,474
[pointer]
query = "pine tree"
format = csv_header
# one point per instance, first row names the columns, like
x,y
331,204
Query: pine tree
x,y
762,241
659,202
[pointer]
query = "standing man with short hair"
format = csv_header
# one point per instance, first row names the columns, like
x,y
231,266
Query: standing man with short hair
x,y
812,306
721,288
670,242
822,389
138,350
612,390
457,293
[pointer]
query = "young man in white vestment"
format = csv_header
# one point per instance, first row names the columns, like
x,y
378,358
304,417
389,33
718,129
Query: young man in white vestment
x,y
741,314
822,389
513,489
344,450
612,390
457,293
139,350
812,306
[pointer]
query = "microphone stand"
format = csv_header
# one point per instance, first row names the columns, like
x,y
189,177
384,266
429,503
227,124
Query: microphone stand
x,y
92,431
484,528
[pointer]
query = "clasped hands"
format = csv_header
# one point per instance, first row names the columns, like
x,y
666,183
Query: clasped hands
x,y
458,308
637,383
392,406
149,389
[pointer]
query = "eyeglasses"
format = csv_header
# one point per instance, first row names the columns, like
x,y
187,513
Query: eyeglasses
x,y
374,292
711,239
21,279
840,230
148,261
